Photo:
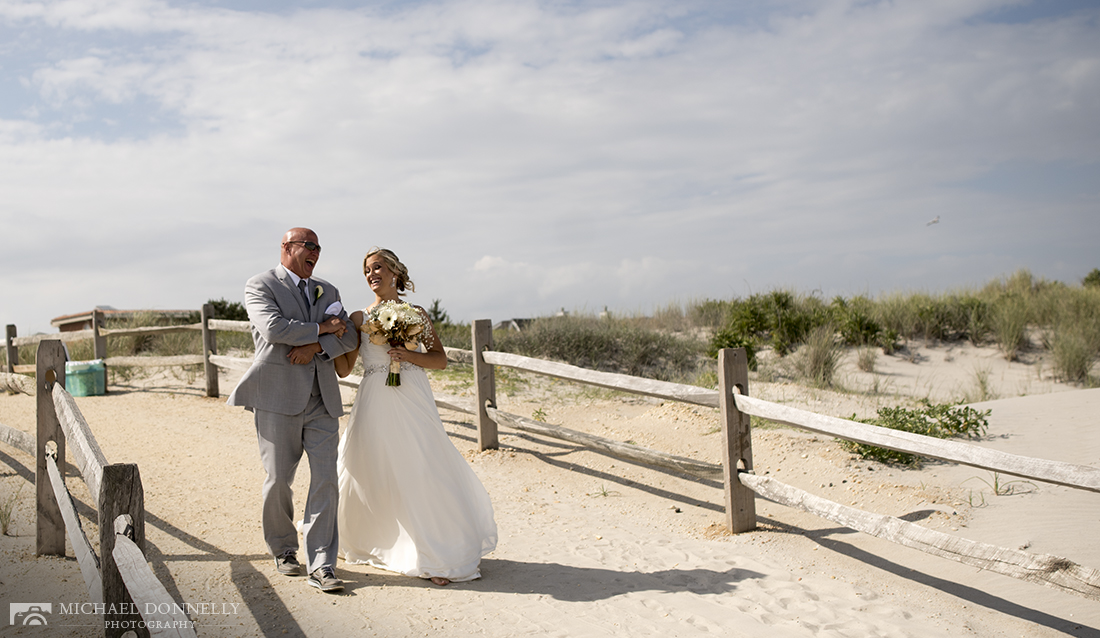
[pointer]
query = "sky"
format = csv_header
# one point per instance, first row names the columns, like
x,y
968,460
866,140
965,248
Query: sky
x,y
523,157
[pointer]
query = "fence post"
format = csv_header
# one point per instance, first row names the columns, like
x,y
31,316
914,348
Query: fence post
x,y
119,493
100,341
733,372
209,347
485,387
49,525
13,350
99,346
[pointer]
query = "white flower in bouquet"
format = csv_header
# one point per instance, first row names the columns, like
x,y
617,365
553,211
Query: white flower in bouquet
x,y
396,323
388,317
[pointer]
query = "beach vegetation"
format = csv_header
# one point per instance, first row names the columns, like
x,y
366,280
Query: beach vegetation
x,y
621,345
7,508
941,421
818,358
1020,313
866,359
1001,487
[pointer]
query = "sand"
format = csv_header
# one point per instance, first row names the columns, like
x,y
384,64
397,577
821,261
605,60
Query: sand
x,y
591,545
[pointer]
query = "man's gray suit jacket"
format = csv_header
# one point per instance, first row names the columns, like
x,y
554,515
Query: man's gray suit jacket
x,y
280,321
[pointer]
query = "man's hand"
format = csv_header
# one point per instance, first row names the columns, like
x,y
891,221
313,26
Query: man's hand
x,y
303,354
332,325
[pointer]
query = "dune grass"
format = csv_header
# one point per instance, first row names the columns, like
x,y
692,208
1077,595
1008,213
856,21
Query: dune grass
x,y
1018,313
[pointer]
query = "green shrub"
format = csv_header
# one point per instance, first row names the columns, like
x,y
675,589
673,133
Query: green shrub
x,y
778,319
855,321
940,421
730,339
228,310
1092,280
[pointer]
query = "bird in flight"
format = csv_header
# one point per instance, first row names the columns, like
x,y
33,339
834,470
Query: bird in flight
x,y
935,220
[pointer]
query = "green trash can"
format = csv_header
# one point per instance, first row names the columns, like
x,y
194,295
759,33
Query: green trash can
x,y
86,378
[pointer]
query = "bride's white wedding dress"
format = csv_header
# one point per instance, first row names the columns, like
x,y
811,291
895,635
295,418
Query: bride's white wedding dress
x,y
409,501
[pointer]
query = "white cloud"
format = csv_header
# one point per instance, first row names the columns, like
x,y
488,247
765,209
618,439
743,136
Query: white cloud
x,y
526,156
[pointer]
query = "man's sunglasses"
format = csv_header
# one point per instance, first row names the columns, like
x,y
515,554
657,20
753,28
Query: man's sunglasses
x,y
308,244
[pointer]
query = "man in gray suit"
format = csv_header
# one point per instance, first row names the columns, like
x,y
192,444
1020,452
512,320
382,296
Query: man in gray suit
x,y
298,326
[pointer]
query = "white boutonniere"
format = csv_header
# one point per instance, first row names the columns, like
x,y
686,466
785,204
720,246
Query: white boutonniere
x,y
317,292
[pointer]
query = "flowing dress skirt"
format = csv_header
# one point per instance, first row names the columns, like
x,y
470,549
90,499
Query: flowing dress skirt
x,y
409,501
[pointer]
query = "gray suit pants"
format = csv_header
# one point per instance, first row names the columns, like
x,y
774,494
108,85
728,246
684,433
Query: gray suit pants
x,y
282,440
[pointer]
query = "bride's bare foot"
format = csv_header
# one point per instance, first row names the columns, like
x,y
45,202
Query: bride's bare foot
x,y
440,581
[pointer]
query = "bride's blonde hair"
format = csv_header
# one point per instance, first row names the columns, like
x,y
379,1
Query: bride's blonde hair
x,y
399,270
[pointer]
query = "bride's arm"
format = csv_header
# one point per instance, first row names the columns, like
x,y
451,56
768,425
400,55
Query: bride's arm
x,y
346,362
434,359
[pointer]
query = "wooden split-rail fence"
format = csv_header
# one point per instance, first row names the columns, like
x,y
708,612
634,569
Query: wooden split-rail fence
x,y
134,602
741,484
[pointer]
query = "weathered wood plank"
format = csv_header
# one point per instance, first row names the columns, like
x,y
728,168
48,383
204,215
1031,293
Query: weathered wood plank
x,y
458,355
458,404
86,451
1052,571
85,555
617,448
351,381
612,380
121,494
33,340
151,362
145,589
232,363
1068,474
18,439
50,436
99,341
151,330
230,326
10,348
485,385
209,347
733,375
24,369
17,383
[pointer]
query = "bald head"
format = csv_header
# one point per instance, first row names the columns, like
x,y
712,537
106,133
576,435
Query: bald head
x,y
300,252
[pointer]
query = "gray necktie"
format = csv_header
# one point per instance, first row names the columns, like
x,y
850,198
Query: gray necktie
x,y
305,295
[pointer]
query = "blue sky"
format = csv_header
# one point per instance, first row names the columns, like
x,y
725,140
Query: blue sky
x,y
523,156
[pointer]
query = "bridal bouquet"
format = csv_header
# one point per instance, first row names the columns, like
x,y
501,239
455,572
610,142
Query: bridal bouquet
x,y
398,324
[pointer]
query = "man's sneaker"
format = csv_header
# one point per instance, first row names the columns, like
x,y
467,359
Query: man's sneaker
x,y
288,563
324,578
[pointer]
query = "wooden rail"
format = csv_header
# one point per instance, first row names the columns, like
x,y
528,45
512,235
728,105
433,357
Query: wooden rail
x,y
119,576
85,555
1044,569
1079,476
741,485
147,592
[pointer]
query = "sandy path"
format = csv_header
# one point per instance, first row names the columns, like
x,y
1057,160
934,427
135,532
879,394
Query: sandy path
x,y
591,545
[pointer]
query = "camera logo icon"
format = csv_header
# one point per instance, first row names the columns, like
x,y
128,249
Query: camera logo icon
x,y
30,613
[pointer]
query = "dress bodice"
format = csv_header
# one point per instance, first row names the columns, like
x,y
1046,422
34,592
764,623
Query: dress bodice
x,y
376,359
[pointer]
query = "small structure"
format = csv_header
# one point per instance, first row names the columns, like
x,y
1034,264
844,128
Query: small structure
x,y
83,320
512,324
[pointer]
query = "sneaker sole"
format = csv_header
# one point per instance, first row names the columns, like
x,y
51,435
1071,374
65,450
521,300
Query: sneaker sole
x,y
313,583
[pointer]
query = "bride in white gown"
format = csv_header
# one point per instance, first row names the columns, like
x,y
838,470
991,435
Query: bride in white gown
x,y
409,502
